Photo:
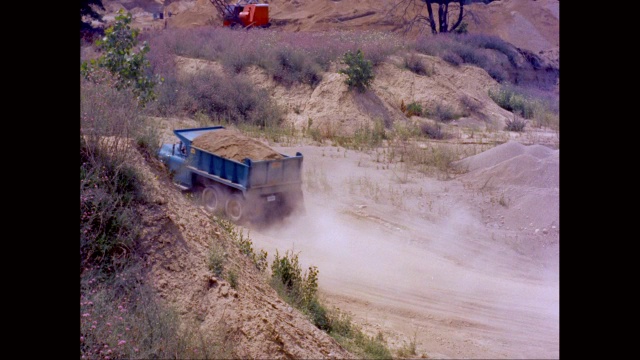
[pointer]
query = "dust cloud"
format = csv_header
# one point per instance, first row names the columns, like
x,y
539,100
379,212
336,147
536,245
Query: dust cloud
x,y
427,266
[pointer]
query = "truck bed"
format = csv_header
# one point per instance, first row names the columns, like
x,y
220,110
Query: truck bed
x,y
264,176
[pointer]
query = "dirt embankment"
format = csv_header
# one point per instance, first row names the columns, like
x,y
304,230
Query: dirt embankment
x,y
252,319
233,145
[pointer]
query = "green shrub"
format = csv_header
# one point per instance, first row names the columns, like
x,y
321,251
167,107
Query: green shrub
x,y
244,243
414,109
128,67
298,288
359,71
364,137
510,99
216,259
232,276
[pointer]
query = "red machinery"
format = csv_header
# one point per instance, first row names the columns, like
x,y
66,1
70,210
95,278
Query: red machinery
x,y
247,13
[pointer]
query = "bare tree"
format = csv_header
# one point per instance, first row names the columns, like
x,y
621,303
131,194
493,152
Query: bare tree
x,y
444,11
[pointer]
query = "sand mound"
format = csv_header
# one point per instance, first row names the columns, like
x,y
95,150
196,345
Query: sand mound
x,y
540,151
492,157
233,145
527,178
514,164
523,170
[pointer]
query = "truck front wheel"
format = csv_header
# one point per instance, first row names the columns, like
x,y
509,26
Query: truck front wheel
x,y
235,207
212,199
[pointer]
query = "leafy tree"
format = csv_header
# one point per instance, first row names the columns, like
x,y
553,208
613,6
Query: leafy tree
x,y
119,59
359,71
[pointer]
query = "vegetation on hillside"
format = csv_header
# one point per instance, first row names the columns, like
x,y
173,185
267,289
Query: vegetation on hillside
x,y
119,316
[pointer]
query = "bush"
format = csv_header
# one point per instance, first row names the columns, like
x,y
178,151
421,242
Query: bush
x,y
108,225
298,288
359,71
291,67
413,63
414,109
452,58
510,99
216,259
233,279
432,131
493,43
470,105
229,98
445,113
516,124
128,67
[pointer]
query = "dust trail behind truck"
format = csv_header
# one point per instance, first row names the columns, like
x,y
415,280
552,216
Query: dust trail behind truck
x,y
255,188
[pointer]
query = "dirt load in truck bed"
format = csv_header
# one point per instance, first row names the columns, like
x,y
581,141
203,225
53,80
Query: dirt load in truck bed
x,y
233,145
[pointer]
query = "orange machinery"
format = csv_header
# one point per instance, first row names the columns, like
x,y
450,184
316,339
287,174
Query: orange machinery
x,y
248,13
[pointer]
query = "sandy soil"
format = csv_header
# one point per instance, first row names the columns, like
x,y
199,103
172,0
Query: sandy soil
x,y
234,145
177,237
441,262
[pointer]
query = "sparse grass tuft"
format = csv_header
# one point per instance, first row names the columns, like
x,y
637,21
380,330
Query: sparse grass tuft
x,y
232,276
470,105
216,259
445,113
516,124
409,350
244,243
414,109
433,131
416,65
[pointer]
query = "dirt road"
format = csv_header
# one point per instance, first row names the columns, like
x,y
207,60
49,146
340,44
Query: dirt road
x,y
446,264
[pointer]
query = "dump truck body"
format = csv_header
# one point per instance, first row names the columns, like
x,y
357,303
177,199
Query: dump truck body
x,y
247,189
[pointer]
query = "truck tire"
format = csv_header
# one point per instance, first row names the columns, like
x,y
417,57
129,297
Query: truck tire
x,y
235,207
212,199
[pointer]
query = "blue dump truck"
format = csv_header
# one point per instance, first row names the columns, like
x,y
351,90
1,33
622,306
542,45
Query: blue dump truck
x,y
248,190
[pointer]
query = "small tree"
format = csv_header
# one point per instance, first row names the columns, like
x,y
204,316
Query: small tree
x,y
119,59
359,71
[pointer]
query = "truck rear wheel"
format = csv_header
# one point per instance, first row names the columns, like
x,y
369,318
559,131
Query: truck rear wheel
x,y
235,207
212,199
